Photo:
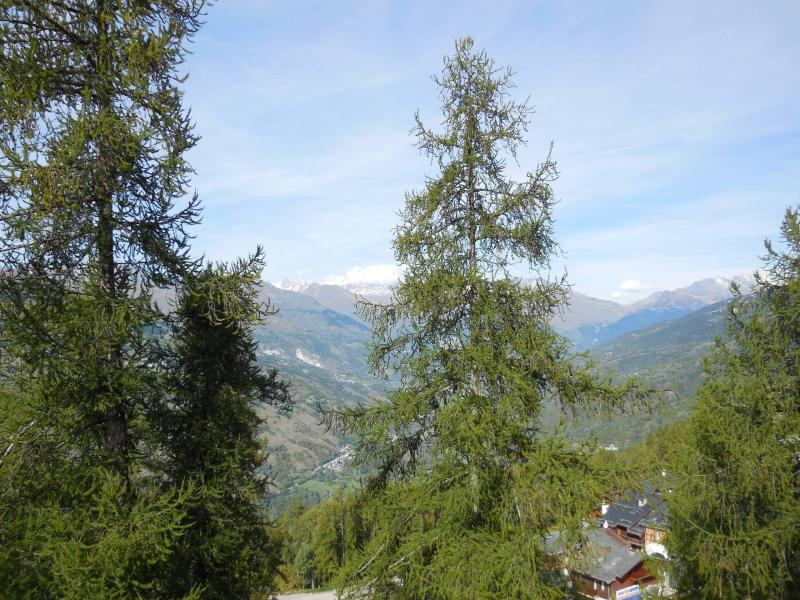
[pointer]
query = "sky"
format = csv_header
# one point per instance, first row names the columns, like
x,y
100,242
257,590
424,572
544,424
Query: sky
x,y
675,125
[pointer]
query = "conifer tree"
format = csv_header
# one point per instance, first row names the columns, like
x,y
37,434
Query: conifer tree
x,y
212,430
318,540
735,512
469,483
92,182
93,137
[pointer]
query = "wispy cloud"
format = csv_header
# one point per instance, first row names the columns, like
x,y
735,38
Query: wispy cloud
x,y
676,127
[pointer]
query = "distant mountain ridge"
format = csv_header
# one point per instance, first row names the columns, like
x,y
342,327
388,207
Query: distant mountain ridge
x,y
667,355
587,326
585,321
318,342
700,293
370,289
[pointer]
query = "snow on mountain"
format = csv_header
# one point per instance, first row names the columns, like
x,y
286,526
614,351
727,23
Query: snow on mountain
x,y
589,321
316,341
586,321
371,279
293,285
265,351
371,291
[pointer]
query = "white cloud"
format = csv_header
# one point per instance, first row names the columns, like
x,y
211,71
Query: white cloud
x,y
371,274
628,288
630,285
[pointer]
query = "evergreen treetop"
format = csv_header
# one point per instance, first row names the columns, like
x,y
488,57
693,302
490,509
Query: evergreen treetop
x,y
469,483
211,432
92,181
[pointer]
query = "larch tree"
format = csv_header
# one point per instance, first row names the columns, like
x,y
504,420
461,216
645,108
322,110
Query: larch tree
x,y
469,482
735,511
95,214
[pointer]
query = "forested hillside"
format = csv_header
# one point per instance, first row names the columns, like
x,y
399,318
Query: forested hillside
x,y
669,356
324,353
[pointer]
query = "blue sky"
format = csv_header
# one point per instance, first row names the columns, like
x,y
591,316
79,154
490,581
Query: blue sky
x,y
676,126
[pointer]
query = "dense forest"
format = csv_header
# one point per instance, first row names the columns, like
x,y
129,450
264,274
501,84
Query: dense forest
x,y
133,404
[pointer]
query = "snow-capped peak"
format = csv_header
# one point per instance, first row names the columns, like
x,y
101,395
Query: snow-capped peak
x,y
293,285
368,280
368,289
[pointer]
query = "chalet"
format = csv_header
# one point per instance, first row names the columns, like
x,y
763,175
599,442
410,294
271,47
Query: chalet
x,y
639,519
611,567
627,529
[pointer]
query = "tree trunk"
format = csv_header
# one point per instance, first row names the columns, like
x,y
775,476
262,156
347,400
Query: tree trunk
x,y
474,324
116,423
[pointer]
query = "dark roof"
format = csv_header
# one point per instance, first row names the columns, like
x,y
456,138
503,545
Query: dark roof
x,y
604,557
552,544
607,558
637,510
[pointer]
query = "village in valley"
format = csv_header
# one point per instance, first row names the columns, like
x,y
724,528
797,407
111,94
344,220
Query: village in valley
x,y
625,555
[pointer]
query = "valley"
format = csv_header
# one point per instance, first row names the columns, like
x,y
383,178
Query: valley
x,y
318,342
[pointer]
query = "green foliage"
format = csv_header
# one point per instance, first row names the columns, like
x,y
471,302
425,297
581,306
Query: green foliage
x,y
70,528
661,450
210,429
91,176
97,497
469,482
91,180
735,514
93,140
317,541
668,356
671,353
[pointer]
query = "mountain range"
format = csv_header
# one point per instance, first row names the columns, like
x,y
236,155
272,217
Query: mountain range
x,y
318,342
589,322
586,321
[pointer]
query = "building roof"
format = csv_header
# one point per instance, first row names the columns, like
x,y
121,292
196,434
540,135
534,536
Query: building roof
x,y
604,557
637,510
607,558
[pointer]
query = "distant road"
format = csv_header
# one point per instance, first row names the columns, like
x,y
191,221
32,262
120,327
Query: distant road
x,y
309,596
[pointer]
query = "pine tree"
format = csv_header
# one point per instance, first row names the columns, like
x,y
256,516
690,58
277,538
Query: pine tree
x,y
92,181
469,482
735,514
213,433
318,540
